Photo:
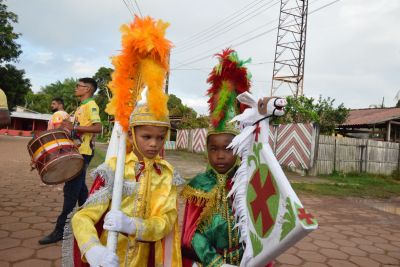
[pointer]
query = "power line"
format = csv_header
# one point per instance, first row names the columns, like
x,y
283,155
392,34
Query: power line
x,y
220,22
230,42
208,68
194,59
130,11
324,6
138,8
132,6
218,32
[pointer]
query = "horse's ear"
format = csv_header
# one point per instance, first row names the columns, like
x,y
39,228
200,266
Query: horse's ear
x,y
247,99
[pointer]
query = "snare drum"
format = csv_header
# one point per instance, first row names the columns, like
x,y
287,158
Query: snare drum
x,y
55,156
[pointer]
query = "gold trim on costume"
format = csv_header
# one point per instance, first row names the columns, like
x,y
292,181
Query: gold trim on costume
x,y
215,261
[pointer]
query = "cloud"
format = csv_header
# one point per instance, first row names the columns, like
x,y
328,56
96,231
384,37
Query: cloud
x,y
80,67
352,51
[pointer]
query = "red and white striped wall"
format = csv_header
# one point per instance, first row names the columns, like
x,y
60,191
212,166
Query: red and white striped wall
x,y
182,138
199,140
292,144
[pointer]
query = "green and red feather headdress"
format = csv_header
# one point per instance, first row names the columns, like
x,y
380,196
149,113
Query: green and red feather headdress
x,y
228,79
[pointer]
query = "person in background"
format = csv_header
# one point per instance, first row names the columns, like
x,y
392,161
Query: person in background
x,y
86,124
59,115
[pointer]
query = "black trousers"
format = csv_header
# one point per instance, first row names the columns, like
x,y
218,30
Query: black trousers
x,y
74,191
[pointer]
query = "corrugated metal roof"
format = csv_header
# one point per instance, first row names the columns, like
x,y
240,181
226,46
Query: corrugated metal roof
x,y
371,116
33,116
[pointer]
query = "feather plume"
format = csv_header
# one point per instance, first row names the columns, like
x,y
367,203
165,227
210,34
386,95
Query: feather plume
x,y
143,60
228,79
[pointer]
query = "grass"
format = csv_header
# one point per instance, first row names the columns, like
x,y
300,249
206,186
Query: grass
x,y
185,155
99,156
353,185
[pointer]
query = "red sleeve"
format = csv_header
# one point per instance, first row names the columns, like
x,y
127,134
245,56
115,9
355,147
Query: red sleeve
x,y
97,184
192,213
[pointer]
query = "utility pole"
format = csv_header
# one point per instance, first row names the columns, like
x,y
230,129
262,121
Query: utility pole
x,y
288,72
167,79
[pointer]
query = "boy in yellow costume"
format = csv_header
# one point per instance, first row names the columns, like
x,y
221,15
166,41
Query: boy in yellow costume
x,y
147,222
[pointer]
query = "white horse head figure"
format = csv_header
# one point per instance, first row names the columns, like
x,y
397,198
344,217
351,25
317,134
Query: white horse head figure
x,y
255,120
267,210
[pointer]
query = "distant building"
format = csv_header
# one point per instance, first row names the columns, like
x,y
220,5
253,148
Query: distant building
x,y
25,122
372,123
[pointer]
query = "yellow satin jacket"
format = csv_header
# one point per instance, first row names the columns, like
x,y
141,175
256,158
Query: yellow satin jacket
x,y
153,199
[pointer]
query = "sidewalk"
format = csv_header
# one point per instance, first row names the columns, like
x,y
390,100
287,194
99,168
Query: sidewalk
x,y
352,232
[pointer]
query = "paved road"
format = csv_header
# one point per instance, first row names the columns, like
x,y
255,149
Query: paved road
x,y
352,233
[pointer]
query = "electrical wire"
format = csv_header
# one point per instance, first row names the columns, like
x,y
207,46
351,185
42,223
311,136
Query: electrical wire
x,y
202,57
220,22
138,8
130,11
217,33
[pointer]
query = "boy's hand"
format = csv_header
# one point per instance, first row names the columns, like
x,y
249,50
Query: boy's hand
x,y
116,220
101,256
67,125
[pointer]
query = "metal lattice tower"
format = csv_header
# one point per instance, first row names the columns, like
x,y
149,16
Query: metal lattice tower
x,y
290,49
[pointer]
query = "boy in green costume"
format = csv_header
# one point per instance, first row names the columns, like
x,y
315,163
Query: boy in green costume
x,y
208,235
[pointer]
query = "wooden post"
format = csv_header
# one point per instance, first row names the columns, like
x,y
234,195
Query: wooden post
x,y
373,132
334,156
314,145
361,156
388,132
366,156
398,162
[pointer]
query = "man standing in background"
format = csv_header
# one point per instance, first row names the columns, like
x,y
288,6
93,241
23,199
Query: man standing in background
x,y
86,124
59,115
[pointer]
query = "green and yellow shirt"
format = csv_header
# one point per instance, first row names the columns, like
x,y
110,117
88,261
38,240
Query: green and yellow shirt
x,y
87,114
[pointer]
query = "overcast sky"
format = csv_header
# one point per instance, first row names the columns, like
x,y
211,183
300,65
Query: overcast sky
x,y
352,51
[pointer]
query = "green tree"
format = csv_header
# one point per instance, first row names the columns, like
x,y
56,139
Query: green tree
x,y
14,85
322,112
328,116
103,95
190,120
12,80
65,90
9,49
301,109
39,102
177,108
193,123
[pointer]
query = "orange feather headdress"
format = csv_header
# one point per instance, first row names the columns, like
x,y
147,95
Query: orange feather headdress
x,y
143,61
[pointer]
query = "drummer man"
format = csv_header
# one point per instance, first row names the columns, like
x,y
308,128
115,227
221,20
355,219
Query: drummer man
x,y
86,124
59,115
